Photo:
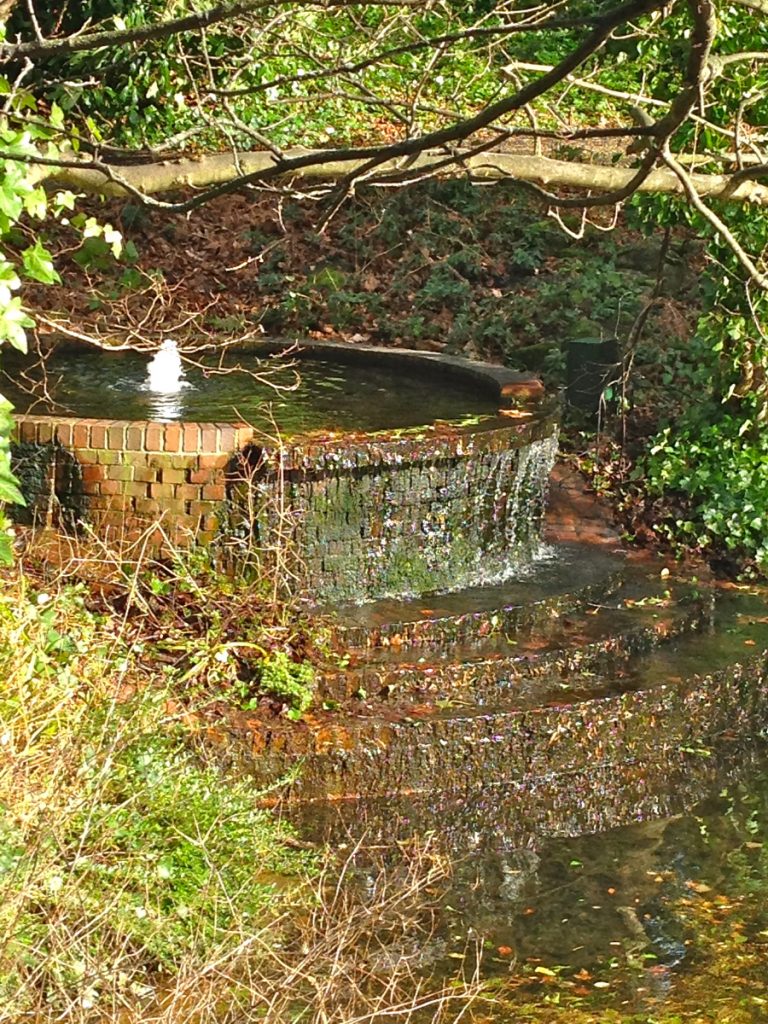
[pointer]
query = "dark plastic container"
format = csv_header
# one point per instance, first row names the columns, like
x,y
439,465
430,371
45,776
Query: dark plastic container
x,y
592,366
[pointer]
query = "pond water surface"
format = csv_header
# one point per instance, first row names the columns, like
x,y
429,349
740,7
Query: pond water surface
x,y
662,919
303,396
659,921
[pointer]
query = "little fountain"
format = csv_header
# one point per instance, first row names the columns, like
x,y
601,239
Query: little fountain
x,y
165,372
398,472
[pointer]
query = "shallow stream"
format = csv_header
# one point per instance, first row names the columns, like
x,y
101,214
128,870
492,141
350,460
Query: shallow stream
x,y
660,921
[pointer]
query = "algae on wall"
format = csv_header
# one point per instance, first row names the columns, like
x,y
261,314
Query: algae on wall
x,y
428,519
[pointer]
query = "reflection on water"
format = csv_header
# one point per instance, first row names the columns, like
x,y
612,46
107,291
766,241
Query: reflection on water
x,y
665,917
625,891
315,395
661,921
167,407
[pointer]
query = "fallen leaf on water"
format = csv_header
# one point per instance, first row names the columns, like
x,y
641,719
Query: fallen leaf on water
x,y
698,886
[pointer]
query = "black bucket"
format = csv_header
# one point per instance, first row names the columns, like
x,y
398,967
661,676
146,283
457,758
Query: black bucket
x,y
593,372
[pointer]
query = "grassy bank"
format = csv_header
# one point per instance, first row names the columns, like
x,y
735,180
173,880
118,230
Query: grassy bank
x,y
139,881
129,867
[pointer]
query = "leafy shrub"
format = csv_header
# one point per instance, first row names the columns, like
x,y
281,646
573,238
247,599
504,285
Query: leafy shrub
x,y
718,472
289,680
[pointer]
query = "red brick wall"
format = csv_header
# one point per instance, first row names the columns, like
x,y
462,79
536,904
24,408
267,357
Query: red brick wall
x,y
139,474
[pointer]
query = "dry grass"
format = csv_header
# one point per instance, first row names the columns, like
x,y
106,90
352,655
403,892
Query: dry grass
x,y
137,883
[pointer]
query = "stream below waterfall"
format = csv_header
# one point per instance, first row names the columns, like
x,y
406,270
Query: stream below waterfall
x,y
659,921
633,893
662,921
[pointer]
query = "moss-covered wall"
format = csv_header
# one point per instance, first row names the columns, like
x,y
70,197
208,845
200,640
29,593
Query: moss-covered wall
x,y
352,518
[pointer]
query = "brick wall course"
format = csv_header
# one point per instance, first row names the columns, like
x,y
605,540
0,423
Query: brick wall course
x,y
131,474
193,479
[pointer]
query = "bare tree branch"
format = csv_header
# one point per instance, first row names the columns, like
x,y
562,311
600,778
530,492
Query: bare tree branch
x,y
457,132
428,43
754,273
45,48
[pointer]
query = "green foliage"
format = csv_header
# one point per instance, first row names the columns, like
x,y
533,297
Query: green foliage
x,y
478,268
23,200
9,489
291,681
712,463
718,472
123,851
166,88
184,847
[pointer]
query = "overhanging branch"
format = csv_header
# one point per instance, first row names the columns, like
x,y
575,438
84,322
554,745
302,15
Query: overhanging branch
x,y
220,168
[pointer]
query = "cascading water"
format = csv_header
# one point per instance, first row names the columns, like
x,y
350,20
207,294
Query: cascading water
x,y
460,517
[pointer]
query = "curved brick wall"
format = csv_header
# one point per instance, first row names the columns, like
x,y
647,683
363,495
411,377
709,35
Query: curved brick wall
x,y
384,515
366,515
123,477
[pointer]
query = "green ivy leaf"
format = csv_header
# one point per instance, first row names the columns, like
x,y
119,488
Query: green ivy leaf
x,y
38,264
9,488
6,550
56,115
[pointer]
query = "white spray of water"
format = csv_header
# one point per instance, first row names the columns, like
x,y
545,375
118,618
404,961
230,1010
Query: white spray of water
x,y
165,373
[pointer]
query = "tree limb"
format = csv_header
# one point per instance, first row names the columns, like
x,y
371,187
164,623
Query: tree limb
x,y
461,130
689,185
219,168
429,42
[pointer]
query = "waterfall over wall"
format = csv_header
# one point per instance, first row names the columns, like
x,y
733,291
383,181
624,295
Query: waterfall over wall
x,y
411,518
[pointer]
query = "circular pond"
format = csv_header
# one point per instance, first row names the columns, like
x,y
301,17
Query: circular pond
x,y
318,394
399,472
